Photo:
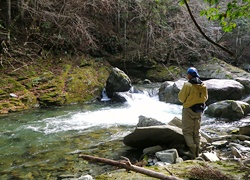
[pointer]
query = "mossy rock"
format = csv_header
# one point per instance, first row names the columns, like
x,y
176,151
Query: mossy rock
x,y
52,99
84,84
29,99
218,69
161,73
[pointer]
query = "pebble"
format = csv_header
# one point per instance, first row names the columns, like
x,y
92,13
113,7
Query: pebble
x,y
86,177
235,152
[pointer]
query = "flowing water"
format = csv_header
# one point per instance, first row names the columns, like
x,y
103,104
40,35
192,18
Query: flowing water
x,y
45,143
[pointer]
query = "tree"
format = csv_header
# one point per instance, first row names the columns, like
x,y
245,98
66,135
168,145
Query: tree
x,y
233,11
225,15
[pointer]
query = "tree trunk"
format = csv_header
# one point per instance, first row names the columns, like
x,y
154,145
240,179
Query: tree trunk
x,y
128,166
9,12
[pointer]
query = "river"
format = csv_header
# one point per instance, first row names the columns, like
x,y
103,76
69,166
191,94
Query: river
x,y
45,143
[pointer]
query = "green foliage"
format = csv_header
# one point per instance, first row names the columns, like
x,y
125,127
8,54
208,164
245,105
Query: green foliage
x,y
225,15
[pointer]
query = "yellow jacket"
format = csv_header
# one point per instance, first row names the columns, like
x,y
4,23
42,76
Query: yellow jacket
x,y
192,94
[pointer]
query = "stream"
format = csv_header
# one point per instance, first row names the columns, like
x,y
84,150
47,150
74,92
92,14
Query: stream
x,y
45,143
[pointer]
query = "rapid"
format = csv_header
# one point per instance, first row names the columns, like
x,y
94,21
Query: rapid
x,y
45,143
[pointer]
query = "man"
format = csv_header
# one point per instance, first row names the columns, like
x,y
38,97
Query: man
x,y
193,95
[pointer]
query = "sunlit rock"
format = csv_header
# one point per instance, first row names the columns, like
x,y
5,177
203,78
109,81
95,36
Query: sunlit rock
x,y
218,90
145,121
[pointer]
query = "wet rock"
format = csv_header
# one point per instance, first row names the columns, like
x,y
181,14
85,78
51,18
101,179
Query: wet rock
x,y
228,109
118,97
145,121
169,155
235,152
245,130
152,150
144,137
117,81
210,157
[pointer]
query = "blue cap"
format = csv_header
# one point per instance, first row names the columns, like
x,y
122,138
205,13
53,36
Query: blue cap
x,y
193,72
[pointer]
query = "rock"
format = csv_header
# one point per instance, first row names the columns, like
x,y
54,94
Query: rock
x,y
159,163
235,152
231,138
245,82
246,162
86,177
169,155
179,160
147,81
117,81
160,73
218,90
152,150
247,143
176,122
218,69
220,144
239,147
228,109
145,121
144,137
222,89
13,95
168,91
118,97
247,100
245,130
210,157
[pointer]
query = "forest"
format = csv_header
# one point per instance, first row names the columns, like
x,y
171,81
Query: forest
x,y
124,32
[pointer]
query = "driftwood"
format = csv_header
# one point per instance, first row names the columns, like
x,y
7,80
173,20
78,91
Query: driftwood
x,y
128,166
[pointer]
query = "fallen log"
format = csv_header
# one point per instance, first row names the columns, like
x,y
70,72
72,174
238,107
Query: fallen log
x,y
127,165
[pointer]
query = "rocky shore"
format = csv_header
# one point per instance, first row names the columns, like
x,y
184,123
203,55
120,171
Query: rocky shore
x,y
162,146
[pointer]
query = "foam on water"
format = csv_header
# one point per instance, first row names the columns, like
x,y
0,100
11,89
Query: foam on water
x,y
137,104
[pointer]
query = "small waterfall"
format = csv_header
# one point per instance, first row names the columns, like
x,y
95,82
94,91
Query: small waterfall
x,y
104,96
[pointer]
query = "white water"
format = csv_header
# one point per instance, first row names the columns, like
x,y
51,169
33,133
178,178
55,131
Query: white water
x,y
110,115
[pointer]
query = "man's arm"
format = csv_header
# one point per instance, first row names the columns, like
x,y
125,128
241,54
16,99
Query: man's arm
x,y
183,94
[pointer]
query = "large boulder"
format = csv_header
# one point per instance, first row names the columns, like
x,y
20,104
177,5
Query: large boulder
x,y
168,91
218,69
218,90
228,109
223,89
117,81
144,137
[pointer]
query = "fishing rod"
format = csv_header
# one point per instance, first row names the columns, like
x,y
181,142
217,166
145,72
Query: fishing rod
x,y
170,72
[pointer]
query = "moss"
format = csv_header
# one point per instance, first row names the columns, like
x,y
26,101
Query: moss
x,y
6,105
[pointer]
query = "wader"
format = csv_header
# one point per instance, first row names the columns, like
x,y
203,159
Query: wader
x,y
190,128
